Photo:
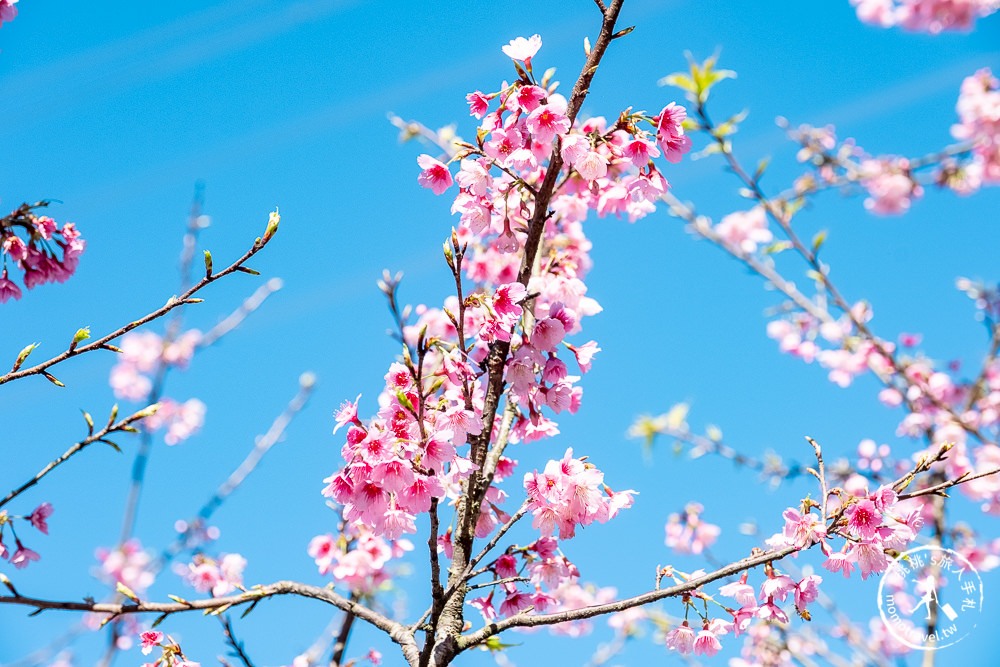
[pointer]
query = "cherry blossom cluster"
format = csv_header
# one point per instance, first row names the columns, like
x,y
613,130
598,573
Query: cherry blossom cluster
x,y
537,576
143,356
979,123
833,343
398,462
744,231
870,524
608,169
357,559
889,181
571,493
753,609
171,655
7,10
931,16
34,244
687,533
216,576
22,555
129,565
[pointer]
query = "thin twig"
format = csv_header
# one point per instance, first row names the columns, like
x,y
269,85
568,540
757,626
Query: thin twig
x,y
234,644
342,636
174,302
938,488
99,436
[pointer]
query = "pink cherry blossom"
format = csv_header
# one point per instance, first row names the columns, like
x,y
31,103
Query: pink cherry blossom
x,y
347,414
7,10
890,186
778,586
8,289
706,643
479,104
591,165
807,591
681,639
435,174
744,230
523,49
22,556
802,531
545,123
863,519
149,639
740,591
528,98
39,516
871,558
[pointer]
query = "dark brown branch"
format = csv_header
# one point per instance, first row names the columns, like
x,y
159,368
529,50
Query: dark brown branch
x,y
234,644
345,633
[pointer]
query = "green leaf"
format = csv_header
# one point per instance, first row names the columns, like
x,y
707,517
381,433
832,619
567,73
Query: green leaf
x,y
90,422
80,336
111,444
761,166
818,240
127,592
678,80
22,355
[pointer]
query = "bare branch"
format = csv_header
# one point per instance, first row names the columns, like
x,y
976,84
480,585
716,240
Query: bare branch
x,y
172,303
938,488
234,644
99,436
396,631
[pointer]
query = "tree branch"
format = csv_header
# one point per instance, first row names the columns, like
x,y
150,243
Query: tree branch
x,y
396,631
174,302
123,425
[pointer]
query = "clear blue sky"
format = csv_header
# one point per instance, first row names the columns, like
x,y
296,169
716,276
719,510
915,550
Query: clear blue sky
x,y
116,110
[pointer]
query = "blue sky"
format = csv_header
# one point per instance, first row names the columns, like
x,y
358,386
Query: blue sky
x,y
117,110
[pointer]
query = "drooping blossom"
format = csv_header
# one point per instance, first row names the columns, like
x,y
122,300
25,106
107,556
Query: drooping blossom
x,y
435,174
38,517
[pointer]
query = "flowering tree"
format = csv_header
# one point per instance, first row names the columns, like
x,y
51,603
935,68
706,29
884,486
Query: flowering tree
x,y
503,358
